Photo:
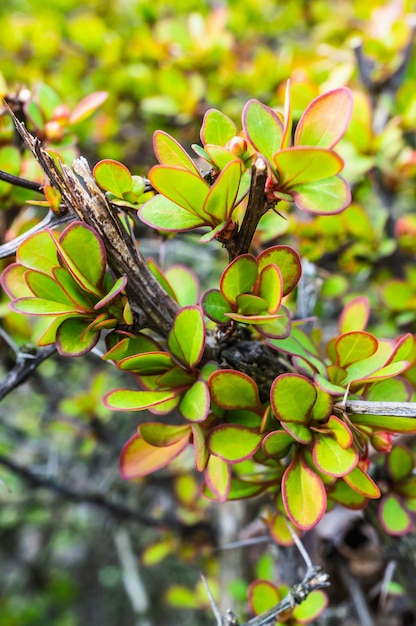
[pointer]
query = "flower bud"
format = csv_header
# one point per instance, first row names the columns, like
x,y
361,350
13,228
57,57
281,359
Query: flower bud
x,y
237,145
381,441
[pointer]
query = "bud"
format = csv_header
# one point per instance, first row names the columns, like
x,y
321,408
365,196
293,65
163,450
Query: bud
x,y
53,131
61,113
237,145
381,441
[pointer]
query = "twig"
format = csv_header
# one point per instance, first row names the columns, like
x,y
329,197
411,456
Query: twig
x,y
49,221
395,409
355,592
256,208
17,181
26,363
119,511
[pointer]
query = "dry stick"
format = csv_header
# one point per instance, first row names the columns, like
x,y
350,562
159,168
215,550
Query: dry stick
x,y
394,409
151,305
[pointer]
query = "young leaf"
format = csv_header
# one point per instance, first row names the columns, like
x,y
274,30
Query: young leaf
x,y
330,458
162,435
238,277
220,200
287,260
292,397
362,483
194,404
73,338
231,389
263,128
323,197
271,287
87,106
301,165
354,315
181,186
138,458
163,214
218,477
326,119
127,400
303,494
394,517
354,346
217,128
113,176
169,152
187,338
233,443
215,306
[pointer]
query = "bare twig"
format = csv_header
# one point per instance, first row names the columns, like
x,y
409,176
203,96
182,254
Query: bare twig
x,y
26,363
49,221
395,409
24,183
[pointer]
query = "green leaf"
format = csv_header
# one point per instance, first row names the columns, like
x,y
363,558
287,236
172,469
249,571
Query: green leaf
x,y
162,435
181,186
220,200
217,128
10,162
163,214
83,253
292,398
80,298
233,443
303,494
200,449
287,260
219,156
394,517
400,462
301,165
354,346
218,477
113,176
184,283
300,433
39,252
44,287
323,197
362,483
48,99
147,364
311,608
276,443
40,306
215,306
354,315
138,458
271,287
13,282
115,290
127,400
251,305
231,389
186,340
340,431
388,423
262,596
238,277
169,152
330,458
263,128
343,494
244,489
195,402
326,119
87,106
73,337
278,328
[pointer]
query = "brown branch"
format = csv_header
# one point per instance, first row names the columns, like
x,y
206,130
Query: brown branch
x,y
17,181
151,305
256,208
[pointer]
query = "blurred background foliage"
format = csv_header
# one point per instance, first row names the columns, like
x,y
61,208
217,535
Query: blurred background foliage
x,y
70,529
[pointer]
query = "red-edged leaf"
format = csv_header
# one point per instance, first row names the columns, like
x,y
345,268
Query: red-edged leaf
x,y
323,197
330,458
238,277
162,435
394,517
187,338
195,402
217,128
127,400
362,483
215,306
234,443
262,596
276,443
87,106
263,128
292,398
287,260
311,608
113,176
354,346
388,423
183,187
138,458
163,214
271,287
326,119
400,462
231,389
221,198
169,152
38,252
302,165
147,364
218,477
303,494
200,449
354,315
75,338
13,282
